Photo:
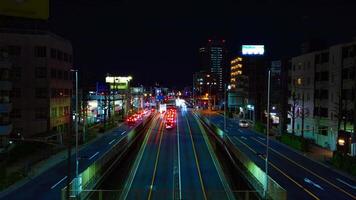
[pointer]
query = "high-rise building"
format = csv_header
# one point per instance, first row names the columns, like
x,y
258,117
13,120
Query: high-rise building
x,y
41,80
205,87
213,58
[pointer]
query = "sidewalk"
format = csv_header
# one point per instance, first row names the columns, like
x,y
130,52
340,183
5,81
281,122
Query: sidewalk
x,y
46,164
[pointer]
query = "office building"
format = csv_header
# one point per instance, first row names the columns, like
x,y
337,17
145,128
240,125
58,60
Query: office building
x,y
213,58
41,81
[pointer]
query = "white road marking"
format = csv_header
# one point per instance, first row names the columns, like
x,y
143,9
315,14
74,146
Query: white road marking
x,y
94,155
55,185
242,137
261,138
111,141
123,132
312,183
180,182
344,182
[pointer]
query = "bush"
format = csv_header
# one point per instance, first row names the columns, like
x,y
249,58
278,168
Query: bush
x,y
344,162
295,142
260,127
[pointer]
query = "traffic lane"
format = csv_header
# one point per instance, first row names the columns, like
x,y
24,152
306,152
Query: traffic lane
x,y
213,185
338,182
307,180
321,188
294,191
332,178
41,186
141,185
163,180
190,184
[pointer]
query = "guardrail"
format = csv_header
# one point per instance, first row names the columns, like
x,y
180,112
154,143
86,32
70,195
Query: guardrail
x,y
94,174
253,174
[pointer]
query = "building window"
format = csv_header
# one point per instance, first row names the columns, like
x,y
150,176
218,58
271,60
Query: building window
x,y
65,75
41,113
41,93
40,51
16,113
65,57
53,53
14,50
16,93
16,73
5,74
4,96
59,55
4,119
53,73
59,74
41,72
70,58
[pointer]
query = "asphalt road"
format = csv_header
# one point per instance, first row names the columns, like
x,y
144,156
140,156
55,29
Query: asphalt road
x,y
48,185
302,177
176,164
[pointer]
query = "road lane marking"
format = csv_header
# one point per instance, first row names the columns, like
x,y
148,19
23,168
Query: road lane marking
x,y
261,138
156,163
94,155
196,161
307,180
111,141
55,185
138,159
218,168
308,170
179,175
242,137
279,170
344,182
123,132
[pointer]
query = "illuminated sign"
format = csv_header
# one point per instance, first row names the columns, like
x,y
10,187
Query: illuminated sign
x,y
37,9
118,82
253,49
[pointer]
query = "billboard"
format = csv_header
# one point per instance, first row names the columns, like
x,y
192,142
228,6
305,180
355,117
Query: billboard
x,y
253,49
36,9
118,82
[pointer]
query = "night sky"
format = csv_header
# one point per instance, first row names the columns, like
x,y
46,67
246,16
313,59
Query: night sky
x,y
157,41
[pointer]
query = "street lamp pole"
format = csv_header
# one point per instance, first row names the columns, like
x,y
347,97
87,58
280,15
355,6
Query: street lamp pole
x,y
76,130
267,136
226,87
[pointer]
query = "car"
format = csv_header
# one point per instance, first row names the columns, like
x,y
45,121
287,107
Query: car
x,y
243,124
131,120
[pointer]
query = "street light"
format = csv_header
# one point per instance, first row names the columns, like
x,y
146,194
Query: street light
x,y
76,130
228,87
267,145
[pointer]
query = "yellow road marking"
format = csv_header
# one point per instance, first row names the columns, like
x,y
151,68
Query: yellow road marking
x,y
352,196
156,162
279,170
196,160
